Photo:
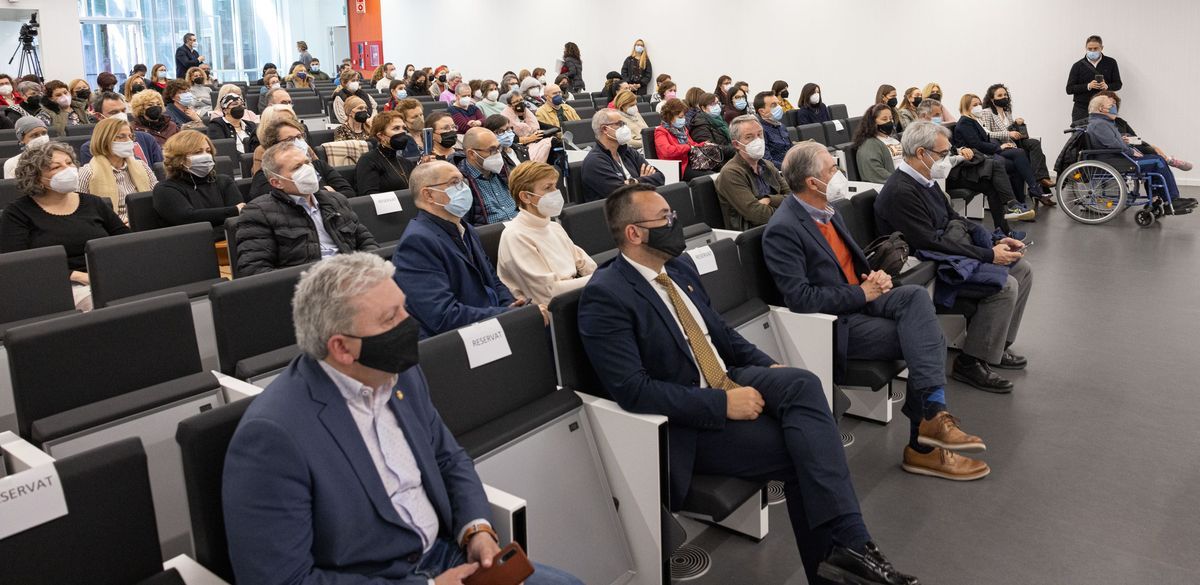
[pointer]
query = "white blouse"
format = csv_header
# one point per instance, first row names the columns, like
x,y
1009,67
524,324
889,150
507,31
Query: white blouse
x,y
538,260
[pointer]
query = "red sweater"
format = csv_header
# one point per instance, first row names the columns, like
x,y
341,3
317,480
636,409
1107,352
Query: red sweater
x,y
667,147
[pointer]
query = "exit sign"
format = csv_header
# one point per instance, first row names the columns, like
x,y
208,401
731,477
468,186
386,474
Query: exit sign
x,y
360,6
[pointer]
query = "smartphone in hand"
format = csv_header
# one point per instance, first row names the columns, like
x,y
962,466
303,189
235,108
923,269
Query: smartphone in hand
x,y
428,141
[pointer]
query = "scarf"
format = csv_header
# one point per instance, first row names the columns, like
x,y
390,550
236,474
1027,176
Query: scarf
x,y
680,135
719,122
104,184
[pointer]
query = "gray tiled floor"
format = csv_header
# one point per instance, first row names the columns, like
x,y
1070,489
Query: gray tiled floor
x,y
1095,457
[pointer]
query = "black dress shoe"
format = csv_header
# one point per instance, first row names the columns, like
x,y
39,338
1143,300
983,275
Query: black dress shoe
x,y
1011,361
979,375
867,568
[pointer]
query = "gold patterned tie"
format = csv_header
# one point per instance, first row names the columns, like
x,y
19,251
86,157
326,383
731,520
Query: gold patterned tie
x,y
702,350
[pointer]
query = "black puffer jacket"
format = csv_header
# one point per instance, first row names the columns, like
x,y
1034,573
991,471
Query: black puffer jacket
x,y
275,232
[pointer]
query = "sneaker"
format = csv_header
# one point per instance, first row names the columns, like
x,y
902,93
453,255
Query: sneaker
x,y
944,464
1017,235
1182,165
1018,211
942,431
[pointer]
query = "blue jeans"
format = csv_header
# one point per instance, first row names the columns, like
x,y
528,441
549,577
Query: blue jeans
x,y
1155,164
445,555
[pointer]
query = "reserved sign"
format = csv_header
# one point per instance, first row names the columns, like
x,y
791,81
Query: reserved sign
x,y
704,258
485,342
31,496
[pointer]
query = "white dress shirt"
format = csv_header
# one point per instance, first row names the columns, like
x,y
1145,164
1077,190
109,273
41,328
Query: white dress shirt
x,y
328,246
649,274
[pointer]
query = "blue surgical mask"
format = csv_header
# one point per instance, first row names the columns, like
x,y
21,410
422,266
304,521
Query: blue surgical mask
x,y
1093,55
777,113
187,100
401,94
1112,110
936,120
679,122
740,103
558,100
506,138
715,109
460,199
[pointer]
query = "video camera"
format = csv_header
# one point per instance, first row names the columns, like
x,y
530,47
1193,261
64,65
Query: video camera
x,y
30,29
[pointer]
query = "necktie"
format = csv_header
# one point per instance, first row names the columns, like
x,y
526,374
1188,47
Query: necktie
x,y
702,350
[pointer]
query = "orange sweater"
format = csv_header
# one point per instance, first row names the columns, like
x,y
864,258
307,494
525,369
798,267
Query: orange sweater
x,y
844,258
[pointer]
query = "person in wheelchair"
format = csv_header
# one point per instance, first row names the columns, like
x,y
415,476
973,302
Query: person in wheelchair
x,y
1102,131
1131,137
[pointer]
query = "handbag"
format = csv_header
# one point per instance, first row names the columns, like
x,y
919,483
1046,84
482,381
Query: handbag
x,y
888,253
705,158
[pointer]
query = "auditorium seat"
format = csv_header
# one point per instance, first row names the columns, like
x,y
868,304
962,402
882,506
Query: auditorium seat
x,y
131,370
648,142
431,107
252,322
585,113
850,151
318,137
142,215
679,197
653,119
246,162
8,192
348,172
231,244
9,149
574,182
853,125
838,112
81,130
836,132
586,226
108,535
706,202
814,132
386,228
513,420
226,147
581,131
489,236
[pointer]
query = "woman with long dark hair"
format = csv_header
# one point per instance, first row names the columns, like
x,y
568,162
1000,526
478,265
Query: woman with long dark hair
x,y
812,106
572,67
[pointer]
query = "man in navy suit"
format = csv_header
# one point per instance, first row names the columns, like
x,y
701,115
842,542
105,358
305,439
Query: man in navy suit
x,y
660,348
819,268
440,262
342,471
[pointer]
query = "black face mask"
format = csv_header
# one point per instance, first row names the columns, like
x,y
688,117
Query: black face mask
x,y
138,88
441,79
392,351
784,94
886,128
153,112
917,101
892,103
448,139
1001,103
237,112
935,96
519,108
83,94
361,117
668,239
399,142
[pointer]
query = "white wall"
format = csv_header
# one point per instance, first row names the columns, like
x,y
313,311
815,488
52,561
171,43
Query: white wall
x,y
60,39
850,48
311,21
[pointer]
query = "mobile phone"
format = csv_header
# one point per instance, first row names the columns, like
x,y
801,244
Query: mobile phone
x,y
1027,243
428,141
510,567
1099,78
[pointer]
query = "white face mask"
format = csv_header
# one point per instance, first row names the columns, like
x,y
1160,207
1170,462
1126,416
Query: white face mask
x,y
275,85
940,169
200,164
306,179
119,116
551,204
65,181
536,92
623,135
814,99
837,188
977,111
465,102
493,95
5,89
542,80
756,148
123,149
631,110
40,140
63,101
301,145
352,87
493,164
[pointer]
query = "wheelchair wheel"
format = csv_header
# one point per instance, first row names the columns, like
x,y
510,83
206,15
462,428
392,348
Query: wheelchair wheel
x,y
1144,218
1091,192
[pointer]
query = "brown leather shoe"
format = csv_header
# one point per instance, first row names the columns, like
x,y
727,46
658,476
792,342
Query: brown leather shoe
x,y
944,464
942,431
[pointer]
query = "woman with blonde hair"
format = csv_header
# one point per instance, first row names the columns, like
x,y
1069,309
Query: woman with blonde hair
x,y
537,259
299,78
934,91
81,94
265,120
625,103
114,172
637,69
135,84
197,80
150,116
970,133
158,77
193,192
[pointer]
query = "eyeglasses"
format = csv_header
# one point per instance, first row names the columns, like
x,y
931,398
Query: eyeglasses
x,y
489,152
941,153
618,124
671,216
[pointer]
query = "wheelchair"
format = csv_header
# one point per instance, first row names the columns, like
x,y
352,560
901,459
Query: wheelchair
x,y
1102,182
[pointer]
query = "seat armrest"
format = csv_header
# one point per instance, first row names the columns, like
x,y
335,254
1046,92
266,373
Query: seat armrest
x,y
193,573
723,234
508,516
806,340
236,389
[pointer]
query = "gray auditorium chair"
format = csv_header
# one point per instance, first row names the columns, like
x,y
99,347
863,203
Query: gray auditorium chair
x,y
108,536
142,215
586,226
836,132
131,370
81,130
581,130
648,142
386,228
489,236
514,421
838,112
252,321
853,125
706,202
574,182
814,132
679,197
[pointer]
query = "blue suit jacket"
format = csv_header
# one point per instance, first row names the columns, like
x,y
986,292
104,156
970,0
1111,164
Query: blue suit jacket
x,y
644,361
446,288
303,500
807,272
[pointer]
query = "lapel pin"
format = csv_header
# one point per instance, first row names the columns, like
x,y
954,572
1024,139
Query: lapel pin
x,y
399,395
690,288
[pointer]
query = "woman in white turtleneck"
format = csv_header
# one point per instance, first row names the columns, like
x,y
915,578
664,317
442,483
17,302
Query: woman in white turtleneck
x,y
537,259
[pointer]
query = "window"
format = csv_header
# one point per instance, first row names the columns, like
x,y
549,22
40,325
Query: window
x,y
235,36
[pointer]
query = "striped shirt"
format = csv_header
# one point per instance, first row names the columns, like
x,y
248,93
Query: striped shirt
x,y
498,202
125,184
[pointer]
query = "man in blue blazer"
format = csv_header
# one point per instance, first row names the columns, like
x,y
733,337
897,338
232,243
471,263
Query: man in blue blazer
x,y
819,268
440,262
342,471
660,348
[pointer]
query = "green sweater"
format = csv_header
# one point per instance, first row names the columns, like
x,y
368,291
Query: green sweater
x,y
874,161
737,189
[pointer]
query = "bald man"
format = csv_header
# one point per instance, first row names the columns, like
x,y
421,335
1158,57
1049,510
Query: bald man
x,y
483,169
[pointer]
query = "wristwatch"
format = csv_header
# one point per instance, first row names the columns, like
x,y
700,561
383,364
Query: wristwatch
x,y
476,529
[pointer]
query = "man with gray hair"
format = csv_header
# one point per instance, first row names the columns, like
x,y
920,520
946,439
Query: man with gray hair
x,y
911,202
342,469
749,186
612,162
819,268
483,168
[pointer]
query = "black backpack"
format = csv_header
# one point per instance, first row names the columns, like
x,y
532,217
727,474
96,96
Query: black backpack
x,y
888,253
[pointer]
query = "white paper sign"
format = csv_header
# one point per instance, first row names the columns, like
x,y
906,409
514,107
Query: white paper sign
x,y
704,258
33,494
485,342
837,125
386,203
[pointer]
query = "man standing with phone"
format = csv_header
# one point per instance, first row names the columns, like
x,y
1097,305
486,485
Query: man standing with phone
x,y
1094,73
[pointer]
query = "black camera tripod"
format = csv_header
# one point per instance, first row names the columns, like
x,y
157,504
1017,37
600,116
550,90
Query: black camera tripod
x,y
28,51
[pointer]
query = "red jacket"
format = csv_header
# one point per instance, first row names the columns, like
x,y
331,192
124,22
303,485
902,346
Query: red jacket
x,y
667,147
